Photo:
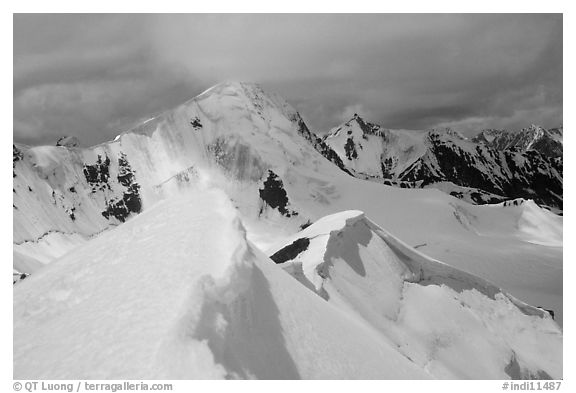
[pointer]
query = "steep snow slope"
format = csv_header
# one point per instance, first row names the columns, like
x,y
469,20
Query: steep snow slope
x,y
451,323
234,128
63,196
178,292
258,150
371,150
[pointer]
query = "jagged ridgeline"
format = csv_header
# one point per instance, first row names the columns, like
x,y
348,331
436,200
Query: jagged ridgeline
x,y
230,232
66,192
491,167
263,145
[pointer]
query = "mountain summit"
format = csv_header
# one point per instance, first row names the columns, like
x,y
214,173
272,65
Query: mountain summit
x,y
224,239
547,142
490,168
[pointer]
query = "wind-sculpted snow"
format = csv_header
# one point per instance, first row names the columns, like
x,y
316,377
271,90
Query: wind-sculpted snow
x,y
126,251
230,137
451,323
234,129
178,292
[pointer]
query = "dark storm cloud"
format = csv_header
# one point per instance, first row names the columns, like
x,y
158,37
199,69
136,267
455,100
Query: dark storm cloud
x,y
95,75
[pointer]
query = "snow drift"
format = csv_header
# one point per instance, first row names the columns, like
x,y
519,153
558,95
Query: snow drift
x,y
116,225
451,323
178,292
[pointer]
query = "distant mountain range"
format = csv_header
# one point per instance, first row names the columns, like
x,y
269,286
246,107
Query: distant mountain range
x,y
223,239
493,166
548,142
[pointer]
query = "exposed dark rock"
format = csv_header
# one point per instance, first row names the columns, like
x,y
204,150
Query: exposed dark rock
x,y
116,209
533,176
319,144
551,312
516,372
544,141
130,202
16,277
497,164
291,251
514,202
275,196
125,173
97,175
350,149
16,156
331,155
367,127
305,225
196,123
68,141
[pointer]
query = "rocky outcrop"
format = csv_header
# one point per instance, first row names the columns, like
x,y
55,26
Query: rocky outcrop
x,y
274,195
492,167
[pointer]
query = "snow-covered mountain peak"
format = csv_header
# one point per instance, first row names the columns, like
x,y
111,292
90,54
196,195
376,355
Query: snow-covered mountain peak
x,y
164,229
68,141
539,130
549,142
356,127
231,100
489,135
446,133
493,166
368,149
236,131
251,91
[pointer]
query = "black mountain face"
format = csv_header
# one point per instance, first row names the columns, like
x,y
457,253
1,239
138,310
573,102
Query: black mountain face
x,y
275,196
492,167
547,142
319,144
511,174
130,201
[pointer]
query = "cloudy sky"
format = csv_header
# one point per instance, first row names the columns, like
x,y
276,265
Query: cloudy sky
x,y
94,76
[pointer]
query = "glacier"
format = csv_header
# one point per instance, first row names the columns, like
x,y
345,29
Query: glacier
x,y
156,247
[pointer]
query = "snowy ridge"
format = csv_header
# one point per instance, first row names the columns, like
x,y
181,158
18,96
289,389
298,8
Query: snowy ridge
x,y
536,225
225,139
96,223
179,303
425,307
548,142
494,166
71,190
